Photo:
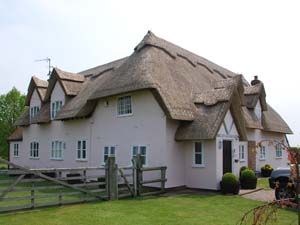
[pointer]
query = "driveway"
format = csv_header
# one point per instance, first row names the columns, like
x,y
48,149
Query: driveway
x,y
259,195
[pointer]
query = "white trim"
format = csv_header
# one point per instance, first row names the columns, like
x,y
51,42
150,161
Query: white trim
x,y
139,148
264,150
117,105
86,150
63,148
202,154
18,152
38,150
109,152
242,147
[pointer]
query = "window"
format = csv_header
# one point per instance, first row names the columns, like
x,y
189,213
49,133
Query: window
x,y
198,154
262,153
124,105
242,152
34,150
57,150
278,151
16,150
34,111
142,150
108,151
81,150
56,106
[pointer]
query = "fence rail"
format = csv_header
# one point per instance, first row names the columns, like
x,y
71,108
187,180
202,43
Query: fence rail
x,y
22,188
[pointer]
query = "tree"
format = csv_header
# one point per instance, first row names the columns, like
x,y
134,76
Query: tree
x,y
12,105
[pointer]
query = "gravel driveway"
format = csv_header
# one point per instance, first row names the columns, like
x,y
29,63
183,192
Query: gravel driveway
x,y
260,195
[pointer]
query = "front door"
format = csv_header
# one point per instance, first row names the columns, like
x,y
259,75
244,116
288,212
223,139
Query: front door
x,y
227,157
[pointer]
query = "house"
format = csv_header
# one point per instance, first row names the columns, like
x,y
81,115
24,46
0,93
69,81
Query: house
x,y
171,106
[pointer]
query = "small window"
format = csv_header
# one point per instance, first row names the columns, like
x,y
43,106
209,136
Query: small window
x,y
34,111
16,150
34,150
57,150
55,107
108,151
142,150
242,152
124,105
198,154
81,150
278,148
262,153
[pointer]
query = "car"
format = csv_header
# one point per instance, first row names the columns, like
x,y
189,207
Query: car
x,y
281,181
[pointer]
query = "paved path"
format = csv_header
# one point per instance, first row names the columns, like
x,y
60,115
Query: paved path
x,y
259,195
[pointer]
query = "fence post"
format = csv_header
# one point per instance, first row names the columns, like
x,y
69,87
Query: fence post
x,y
163,178
111,174
137,174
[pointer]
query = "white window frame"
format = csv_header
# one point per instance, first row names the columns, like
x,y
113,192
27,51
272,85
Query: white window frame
x,y
262,153
278,152
55,107
16,150
121,106
110,147
242,153
34,150
80,150
57,150
201,153
34,111
139,152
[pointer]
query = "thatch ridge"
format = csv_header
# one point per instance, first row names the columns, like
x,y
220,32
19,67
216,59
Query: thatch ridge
x,y
39,85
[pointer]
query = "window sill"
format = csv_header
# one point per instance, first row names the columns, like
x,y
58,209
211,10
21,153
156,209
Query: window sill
x,y
124,115
262,159
198,166
54,159
34,158
242,160
16,156
278,157
81,160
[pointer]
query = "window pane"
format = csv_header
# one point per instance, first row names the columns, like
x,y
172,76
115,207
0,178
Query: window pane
x,y
198,147
78,154
83,144
135,150
143,159
78,145
143,150
198,158
106,150
105,157
84,154
112,150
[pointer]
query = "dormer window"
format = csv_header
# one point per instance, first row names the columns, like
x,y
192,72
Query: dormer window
x,y
34,111
55,107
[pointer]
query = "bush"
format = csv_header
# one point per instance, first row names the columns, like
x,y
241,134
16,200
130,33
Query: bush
x,y
266,170
267,167
242,169
230,184
248,174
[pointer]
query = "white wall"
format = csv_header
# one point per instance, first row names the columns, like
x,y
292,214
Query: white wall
x,y
35,99
11,151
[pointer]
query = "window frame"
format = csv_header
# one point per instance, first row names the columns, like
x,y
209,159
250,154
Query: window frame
x,y
242,153
55,108
120,114
262,152
34,111
278,148
81,150
202,164
16,150
34,151
139,152
109,152
54,152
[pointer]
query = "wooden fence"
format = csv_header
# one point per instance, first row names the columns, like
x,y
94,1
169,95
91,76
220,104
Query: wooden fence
x,y
22,188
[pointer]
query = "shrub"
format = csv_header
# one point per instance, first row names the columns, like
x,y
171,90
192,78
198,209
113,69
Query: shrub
x,y
242,169
248,174
267,167
229,178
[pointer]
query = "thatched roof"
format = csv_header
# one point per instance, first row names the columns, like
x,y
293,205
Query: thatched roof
x,y
17,135
70,82
43,116
189,88
40,86
23,119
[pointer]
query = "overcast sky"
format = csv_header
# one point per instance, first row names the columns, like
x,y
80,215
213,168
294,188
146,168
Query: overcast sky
x,y
249,37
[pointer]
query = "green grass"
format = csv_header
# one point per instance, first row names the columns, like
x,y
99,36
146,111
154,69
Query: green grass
x,y
175,210
263,183
3,166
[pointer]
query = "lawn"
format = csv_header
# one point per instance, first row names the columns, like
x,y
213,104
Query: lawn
x,y
184,209
263,182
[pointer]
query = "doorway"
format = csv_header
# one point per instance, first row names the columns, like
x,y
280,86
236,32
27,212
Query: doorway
x,y
227,156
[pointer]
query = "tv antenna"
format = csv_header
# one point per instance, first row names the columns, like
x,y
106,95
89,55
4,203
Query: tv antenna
x,y
49,63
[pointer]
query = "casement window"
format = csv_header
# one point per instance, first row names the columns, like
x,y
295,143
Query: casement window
x,y
55,107
16,150
262,153
57,148
108,151
198,154
242,152
34,150
142,151
81,150
278,151
124,105
34,111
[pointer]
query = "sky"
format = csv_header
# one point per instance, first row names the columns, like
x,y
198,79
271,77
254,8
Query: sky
x,y
257,37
